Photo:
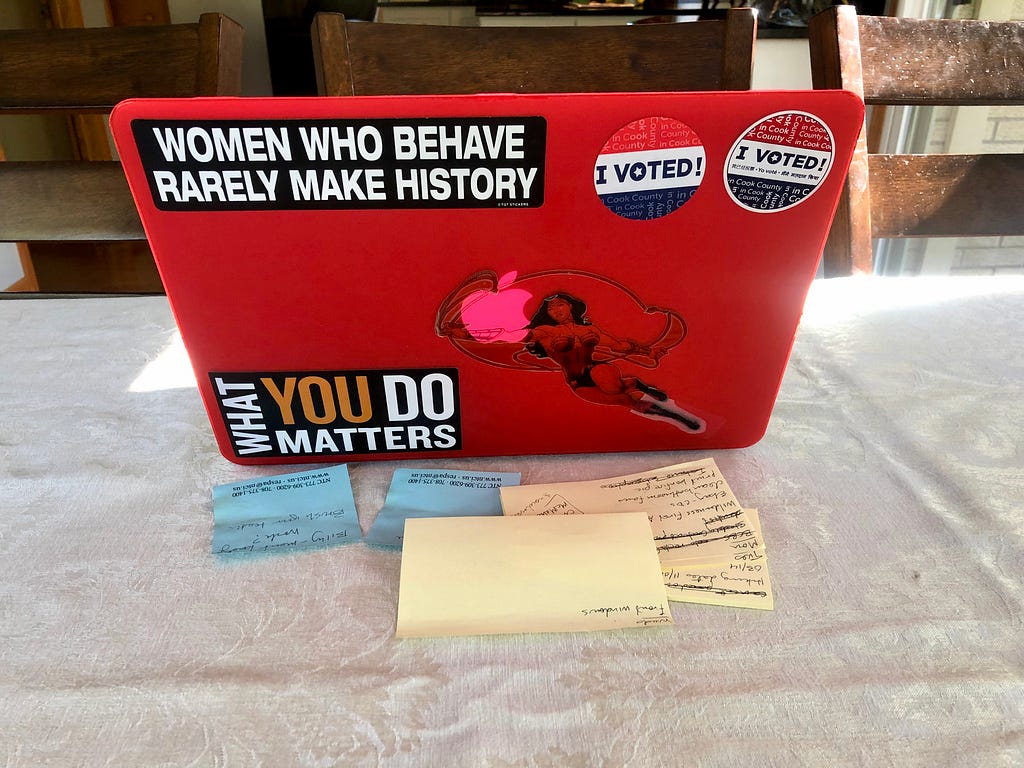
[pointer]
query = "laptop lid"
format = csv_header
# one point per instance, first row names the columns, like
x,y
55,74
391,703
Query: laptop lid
x,y
436,276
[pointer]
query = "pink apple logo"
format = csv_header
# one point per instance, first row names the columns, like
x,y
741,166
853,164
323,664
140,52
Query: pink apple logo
x,y
497,315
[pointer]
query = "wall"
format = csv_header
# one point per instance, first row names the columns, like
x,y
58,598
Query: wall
x,y
10,265
781,63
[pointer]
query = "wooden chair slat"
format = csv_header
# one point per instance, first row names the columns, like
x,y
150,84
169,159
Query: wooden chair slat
x,y
946,195
375,59
941,61
101,209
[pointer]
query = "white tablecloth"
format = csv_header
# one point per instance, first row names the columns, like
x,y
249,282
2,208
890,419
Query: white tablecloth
x,y
889,486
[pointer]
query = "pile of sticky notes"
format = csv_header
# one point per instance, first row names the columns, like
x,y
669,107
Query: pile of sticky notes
x,y
482,554
710,547
589,555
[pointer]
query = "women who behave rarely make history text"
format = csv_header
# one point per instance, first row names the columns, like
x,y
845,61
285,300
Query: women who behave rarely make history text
x,y
337,164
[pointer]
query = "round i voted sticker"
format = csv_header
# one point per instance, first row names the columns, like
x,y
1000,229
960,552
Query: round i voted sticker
x,y
649,168
779,162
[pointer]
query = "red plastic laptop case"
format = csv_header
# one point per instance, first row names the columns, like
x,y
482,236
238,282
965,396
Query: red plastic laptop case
x,y
436,276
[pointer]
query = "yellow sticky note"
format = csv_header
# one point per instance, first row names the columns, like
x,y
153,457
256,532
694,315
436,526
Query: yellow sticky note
x,y
737,585
493,575
740,582
749,546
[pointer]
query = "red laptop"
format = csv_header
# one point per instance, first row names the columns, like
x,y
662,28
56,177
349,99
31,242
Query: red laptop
x,y
439,276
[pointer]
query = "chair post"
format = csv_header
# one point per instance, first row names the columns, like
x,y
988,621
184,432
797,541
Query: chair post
x,y
333,73
738,56
219,70
835,63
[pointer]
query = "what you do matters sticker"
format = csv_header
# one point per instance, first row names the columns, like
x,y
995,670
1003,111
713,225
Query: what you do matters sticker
x,y
779,162
649,168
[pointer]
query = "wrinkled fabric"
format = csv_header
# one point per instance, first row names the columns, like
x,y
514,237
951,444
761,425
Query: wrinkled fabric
x,y
889,485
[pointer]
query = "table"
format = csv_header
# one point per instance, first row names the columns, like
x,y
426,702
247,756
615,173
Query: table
x,y
889,486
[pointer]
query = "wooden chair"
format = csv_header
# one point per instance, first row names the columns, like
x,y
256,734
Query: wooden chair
x,y
372,59
920,62
73,71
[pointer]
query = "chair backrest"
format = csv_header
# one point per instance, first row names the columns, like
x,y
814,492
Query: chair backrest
x,y
902,61
359,59
77,71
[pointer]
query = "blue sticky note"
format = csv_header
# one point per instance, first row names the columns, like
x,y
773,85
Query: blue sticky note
x,y
436,493
281,513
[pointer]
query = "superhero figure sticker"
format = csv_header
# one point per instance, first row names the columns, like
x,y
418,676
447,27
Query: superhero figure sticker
x,y
649,168
543,322
779,161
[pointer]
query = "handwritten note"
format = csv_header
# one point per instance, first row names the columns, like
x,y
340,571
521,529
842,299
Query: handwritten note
x,y
298,511
493,575
740,583
416,493
694,515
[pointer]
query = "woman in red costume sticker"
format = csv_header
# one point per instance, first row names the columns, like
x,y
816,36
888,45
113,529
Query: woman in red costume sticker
x,y
486,318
